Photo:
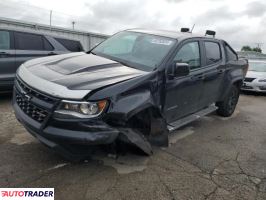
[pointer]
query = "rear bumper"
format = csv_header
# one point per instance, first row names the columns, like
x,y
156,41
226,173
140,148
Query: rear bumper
x,y
63,135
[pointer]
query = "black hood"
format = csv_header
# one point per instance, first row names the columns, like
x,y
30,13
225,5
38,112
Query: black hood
x,y
81,71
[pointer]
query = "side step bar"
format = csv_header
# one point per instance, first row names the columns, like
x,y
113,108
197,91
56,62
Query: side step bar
x,y
183,121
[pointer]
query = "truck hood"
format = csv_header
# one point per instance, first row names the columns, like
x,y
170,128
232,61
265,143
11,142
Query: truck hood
x,y
74,75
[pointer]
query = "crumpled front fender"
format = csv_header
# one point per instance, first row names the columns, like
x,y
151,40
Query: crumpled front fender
x,y
127,106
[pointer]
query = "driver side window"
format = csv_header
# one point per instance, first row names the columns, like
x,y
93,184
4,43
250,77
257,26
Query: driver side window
x,y
190,54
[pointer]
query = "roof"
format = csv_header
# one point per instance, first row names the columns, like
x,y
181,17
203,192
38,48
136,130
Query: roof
x,y
170,34
38,32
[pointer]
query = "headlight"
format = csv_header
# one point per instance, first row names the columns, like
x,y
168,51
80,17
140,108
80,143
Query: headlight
x,y
81,109
262,80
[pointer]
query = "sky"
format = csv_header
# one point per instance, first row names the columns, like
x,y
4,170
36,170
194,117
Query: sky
x,y
240,22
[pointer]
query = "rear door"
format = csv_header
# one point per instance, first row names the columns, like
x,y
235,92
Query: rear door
x,y
213,72
29,46
7,60
70,45
183,93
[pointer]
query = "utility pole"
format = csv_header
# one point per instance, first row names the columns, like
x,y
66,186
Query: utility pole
x,y
51,12
73,25
259,44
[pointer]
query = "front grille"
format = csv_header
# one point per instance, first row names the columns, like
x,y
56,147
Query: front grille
x,y
262,87
34,93
249,79
247,87
30,109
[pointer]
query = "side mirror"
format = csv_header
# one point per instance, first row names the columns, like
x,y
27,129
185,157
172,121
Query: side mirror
x,y
181,69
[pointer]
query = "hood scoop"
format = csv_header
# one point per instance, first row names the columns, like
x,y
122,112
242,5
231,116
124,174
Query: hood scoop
x,y
80,64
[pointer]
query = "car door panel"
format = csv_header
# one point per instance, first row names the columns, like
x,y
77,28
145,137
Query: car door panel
x,y
30,46
213,76
183,93
182,97
7,60
24,55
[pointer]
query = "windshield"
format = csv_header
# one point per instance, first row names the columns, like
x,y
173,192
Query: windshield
x,y
257,66
138,50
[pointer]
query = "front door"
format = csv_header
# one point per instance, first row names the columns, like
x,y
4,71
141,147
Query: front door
x,y
7,60
183,93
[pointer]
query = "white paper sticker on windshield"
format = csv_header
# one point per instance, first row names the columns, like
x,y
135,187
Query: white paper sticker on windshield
x,y
161,41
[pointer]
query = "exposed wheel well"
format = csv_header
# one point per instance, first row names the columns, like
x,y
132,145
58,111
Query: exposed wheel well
x,y
238,83
142,120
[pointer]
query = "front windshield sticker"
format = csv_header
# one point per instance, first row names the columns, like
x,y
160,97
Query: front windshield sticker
x,y
161,41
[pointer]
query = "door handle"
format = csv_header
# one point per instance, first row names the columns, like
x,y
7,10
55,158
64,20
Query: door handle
x,y
198,77
4,53
51,54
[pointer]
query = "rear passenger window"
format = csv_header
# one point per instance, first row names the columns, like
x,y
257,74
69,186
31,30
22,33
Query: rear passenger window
x,y
27,41
46,45
190,54
213,52
230,54
70,45
4,40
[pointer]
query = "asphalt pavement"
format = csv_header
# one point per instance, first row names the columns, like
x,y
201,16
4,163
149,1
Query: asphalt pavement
x,y
212,158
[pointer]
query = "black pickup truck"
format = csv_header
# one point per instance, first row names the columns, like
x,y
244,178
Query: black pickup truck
x,y
135,87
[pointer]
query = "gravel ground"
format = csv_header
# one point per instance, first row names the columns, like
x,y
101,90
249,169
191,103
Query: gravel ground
x,y
212,158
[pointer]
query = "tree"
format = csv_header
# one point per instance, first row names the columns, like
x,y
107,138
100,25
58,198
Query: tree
x,y
257,49
246,48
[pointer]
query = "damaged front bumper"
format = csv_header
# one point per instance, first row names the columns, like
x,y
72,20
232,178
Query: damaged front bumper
x,y
62,135
65,136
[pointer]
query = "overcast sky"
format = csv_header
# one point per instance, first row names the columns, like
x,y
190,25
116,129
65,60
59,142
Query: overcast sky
x,y
240,22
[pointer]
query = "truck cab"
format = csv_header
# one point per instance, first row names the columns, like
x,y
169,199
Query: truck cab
x,y
135,87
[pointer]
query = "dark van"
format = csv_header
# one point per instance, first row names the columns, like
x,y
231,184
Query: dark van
x,y
17,47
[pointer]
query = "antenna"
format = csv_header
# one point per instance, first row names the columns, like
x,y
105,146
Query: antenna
x,y
51,12
192,28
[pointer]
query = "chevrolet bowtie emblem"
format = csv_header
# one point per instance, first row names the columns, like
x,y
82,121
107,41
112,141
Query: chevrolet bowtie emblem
x,y
27,97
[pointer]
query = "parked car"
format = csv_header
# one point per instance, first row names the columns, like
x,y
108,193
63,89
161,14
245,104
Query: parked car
x,y
17,47
134,87
256,76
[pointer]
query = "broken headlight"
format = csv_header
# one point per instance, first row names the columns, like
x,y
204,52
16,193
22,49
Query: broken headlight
x,y
81,109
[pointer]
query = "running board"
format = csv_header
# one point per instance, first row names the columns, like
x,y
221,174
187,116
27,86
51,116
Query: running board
x,y
183,121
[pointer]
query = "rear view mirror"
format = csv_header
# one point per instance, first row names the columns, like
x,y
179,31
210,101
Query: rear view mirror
x,y
181,69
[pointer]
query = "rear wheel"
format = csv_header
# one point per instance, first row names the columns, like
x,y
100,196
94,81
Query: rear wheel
x,y
227,107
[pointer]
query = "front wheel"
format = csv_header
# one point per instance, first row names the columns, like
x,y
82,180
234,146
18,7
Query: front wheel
x,y
227,107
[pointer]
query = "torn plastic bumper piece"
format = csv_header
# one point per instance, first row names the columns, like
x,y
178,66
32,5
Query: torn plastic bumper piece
x,y
136,138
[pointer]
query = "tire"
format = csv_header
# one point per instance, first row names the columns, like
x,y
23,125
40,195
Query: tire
x,y
227,107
